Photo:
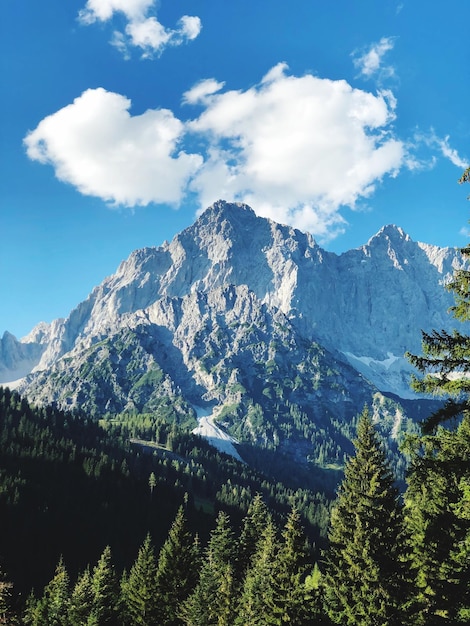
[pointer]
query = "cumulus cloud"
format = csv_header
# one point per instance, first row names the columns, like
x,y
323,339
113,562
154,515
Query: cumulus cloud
x,y
142,30
370,62
297,149
97,146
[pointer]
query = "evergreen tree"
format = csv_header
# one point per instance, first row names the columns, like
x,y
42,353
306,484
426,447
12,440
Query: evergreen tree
x,y
363,569
212,602
51,609
81,600
437,514
288,603
252,530
437,496
6,616
257,592
445,361
105,591
140,588
177,570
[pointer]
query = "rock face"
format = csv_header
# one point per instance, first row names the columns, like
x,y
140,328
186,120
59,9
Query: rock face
x,y
242,312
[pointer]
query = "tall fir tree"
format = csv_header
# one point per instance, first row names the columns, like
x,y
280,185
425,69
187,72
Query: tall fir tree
x,y
445,362
437,500
289,603
437,514
253,526
139,590
363,569
212,602
256,596
81,600
51,609
105,591
177,570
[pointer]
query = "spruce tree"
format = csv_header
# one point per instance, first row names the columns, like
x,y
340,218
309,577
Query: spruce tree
x,y
257,592
177,570
212,601
51,609
289,600
437,496
445,362
253,526
362,564
104,588
140,588
81,600
437,514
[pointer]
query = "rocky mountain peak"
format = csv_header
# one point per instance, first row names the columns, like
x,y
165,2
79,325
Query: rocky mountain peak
x,y
367,303
390,236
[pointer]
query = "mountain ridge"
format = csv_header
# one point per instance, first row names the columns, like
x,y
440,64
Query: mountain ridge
x,y
361,305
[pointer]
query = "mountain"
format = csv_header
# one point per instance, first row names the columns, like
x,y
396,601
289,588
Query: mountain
x,y
251,321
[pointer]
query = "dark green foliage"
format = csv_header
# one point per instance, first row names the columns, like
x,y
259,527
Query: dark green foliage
x,y
256,597
104,587
438,520
446,356
140,589
81,600
288,602
253,526
51,609
363,576
212,602
437,498
70,485
177,570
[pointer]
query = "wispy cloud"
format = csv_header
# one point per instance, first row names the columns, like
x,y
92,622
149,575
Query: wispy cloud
x,y
451,153
142,30
370,62
436,145
298,149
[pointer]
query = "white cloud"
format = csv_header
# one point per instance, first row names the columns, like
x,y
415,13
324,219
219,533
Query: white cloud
x,y
142,30
300,147
148,34
435,144
297,149
97,146
370,62
103,10
200,92
190,27
451,153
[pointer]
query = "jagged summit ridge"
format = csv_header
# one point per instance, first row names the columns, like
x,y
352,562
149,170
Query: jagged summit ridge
x,y
368,304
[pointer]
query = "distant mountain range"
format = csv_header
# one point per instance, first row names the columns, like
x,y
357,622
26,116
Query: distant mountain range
x,y
251,321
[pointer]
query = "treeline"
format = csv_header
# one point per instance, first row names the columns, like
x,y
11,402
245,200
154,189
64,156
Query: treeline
x,y
70,485
235,579
390,560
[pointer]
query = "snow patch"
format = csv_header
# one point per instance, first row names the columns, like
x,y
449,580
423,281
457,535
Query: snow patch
x,y
12,384
215,436
371,362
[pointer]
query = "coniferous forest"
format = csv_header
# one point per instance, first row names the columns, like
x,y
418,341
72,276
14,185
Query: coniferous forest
x,y
132,520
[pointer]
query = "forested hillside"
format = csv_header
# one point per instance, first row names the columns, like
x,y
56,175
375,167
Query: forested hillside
x,y
387,562
70,486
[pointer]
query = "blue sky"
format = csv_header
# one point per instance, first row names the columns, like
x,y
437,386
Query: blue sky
x,y
121,119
